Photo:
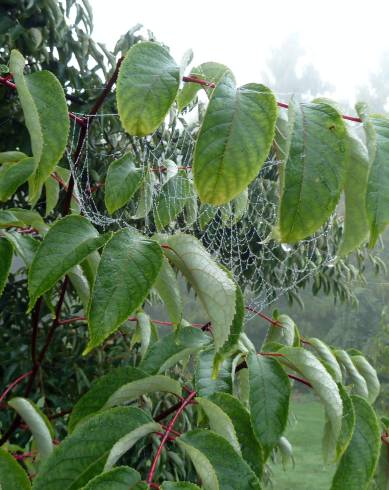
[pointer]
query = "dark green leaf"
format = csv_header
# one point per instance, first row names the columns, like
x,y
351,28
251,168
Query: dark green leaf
x,y
12,475
6,253
120,478
14,175
206,385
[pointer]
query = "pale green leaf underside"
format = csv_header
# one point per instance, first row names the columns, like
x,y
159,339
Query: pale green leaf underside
x,y
128,267
314,170
327,356
367,371
168,289
206,384
357,380
12,475
119,478
216,291
146,88
68,242
234,139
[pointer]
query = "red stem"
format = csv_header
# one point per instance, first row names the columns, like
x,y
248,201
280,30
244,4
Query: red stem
x,y
274,323
13,384
183,404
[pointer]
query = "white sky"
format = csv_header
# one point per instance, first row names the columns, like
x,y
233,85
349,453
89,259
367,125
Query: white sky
x,y
343,38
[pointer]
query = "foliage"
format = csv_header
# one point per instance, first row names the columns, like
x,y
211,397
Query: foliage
x,y
213,370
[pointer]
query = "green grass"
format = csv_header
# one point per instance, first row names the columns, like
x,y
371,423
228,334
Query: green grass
x,y
304,432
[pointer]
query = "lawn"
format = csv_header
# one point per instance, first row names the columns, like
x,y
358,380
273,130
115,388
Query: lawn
x,y
305,431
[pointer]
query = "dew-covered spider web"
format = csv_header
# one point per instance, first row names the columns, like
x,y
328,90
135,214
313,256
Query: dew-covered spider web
x,y
237,235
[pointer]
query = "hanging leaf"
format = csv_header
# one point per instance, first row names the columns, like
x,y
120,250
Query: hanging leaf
x,y
147,85
327,357
127,270
119,478
168,289
83,454
52,195
269,400
173,348
283,332
13,175
356,226
218,465
145,202
211,72
144,325
357,380
314,170
124,178
36,423
367,371
68,242
357,466
6,253
377,198
22,218
234,139
206,385
46,117
80,284
25,246
216,291
12,475
240,417
305,363
180,485
219,422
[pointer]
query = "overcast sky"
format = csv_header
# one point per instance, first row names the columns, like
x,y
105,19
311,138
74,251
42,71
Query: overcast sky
x,y
343,38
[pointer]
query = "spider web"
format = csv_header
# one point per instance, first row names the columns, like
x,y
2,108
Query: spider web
x,y
237,235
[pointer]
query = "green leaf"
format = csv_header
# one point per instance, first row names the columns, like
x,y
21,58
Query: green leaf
x,y
12,475
52,195
327,357
240,417
46,117
283,334
356,226
145,202
147,85
269,400
215,289
11,156
172,348
18,217
377,198
305,363
83,454
6,253
36,423
206,384
120,386
234,139
382,475
181,485
219,422
128,268
144,326
80,284
25,246
367,371
358,463
120,478
357,380
14,175
314,171
211,72
172,199
218,465
168,289
124,178
66,244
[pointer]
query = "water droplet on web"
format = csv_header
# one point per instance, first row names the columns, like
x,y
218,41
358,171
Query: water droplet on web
x,y
332,262
286,247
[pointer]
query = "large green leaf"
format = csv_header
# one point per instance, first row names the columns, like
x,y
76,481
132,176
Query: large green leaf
x,y
326,389
314,170
377,198
234,139
180,485
210,71
36,423
357,466
327,357
12,475
6,253
129,265
124,178
356,226
283,332
205,381
215,289
83,454
269,400
46,116
168,289
146,88
172,348
14,175
367,371
120,478
68,242
218,465
357,380
240,417
347,428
